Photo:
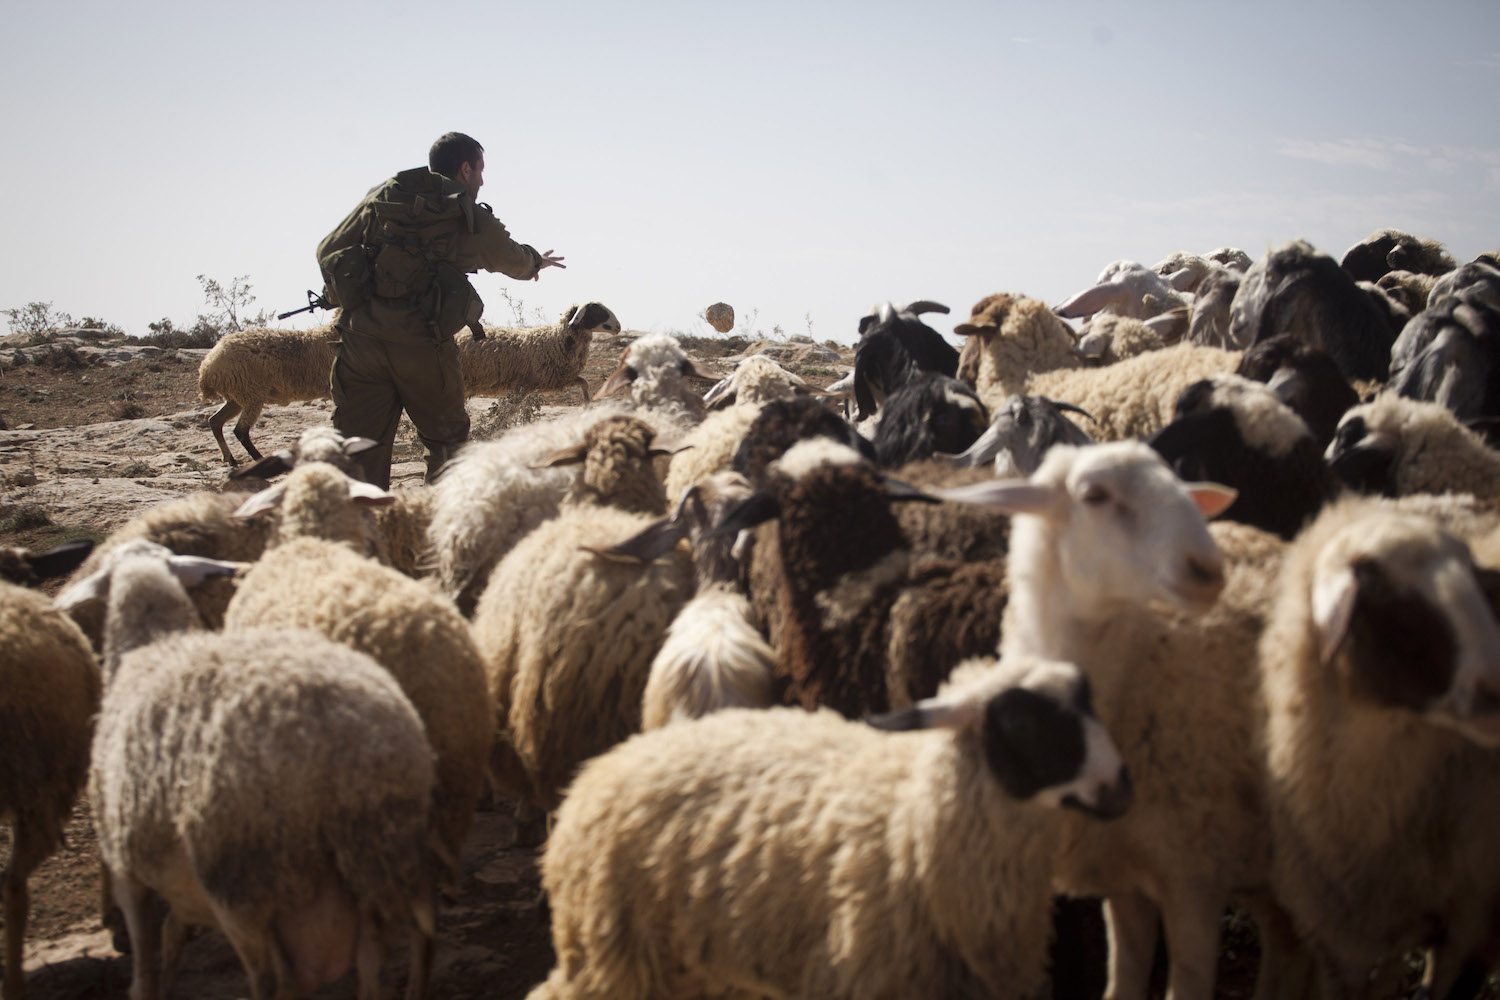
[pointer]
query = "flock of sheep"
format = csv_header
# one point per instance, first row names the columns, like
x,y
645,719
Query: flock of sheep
x,y
829,698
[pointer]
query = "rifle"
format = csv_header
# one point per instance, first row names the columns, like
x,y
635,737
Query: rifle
x,y
314,301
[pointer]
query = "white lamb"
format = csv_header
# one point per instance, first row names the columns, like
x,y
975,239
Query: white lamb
x,y
779,853
1102,538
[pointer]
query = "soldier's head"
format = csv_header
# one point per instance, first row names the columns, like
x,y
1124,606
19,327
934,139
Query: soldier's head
x,y
460,158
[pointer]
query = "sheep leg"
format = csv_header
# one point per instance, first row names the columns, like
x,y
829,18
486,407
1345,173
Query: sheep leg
x,y
367,959
420,975
28,850
216,424
584,384
144,926
1192,923
242,429
1131,926
174,934
1285,969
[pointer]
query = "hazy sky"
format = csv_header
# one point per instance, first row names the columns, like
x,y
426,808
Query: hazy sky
x,y
799,160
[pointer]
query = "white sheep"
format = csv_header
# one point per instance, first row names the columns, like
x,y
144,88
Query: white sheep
x,y
787,854
1009,338
1105,338
1125,288
271,784
1399,446
251,368
49,694
568,634
317,577
1112,567
491,494
1380,667
532,359
1133,398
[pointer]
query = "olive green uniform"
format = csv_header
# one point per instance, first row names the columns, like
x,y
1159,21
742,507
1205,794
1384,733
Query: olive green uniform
x,y
396,348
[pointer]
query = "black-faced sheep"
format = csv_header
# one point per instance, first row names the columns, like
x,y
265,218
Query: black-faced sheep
x,y
1392,250
25,568
531,359
1296,289
1235,432
928,415
1381,683
780,853
894,347
1450,354
1304,378
1395,447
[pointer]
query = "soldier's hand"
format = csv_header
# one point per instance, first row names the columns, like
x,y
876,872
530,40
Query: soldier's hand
x,y
548,261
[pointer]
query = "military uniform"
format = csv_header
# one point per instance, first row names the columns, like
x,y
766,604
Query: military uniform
x,y
396,268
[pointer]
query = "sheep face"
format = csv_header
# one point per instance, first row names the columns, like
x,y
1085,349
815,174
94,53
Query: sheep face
x,y
1040,737
1404,623
1022,432
1124,528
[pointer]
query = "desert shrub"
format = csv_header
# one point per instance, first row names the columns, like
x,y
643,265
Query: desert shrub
x,y
132,470
36,317
61,357
23,517
712,347
129,409
510,411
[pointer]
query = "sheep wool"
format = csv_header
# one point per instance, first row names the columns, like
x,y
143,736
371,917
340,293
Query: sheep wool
x,y
49,694
1403,446
250,368
787,854
1133,398
1011,337
531,359
567,634
1380,747
317,583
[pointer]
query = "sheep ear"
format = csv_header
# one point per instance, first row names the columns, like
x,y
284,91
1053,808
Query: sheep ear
x,y
83,591
720,395
943,711
698,370
60,561
897,489
263,502
672,446
755,509
974,329
367,495
193,570
617,380
1332,608
1182,280
1090,301
571,455
268,467
1014,496
356,445
1211,498
649,545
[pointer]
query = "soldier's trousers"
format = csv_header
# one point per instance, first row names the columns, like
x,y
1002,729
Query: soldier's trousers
x,y
374,380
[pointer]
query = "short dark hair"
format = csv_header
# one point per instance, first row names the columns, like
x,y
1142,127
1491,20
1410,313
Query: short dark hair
x,y
450,152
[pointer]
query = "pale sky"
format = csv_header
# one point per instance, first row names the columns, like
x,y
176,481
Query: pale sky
x,y
799,160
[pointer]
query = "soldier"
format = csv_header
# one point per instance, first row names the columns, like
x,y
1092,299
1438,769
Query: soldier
x,y
396,268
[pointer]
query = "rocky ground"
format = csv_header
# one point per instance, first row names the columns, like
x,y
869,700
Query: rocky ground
x,y
94,429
